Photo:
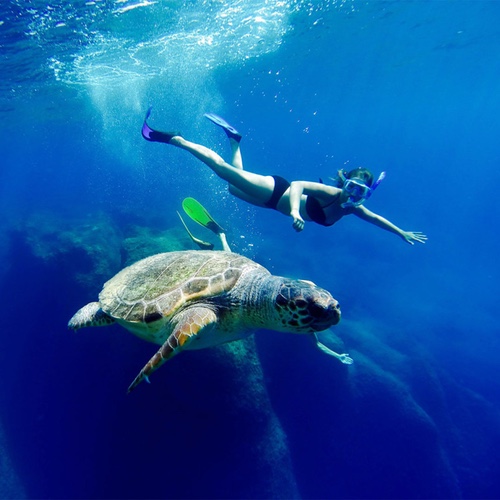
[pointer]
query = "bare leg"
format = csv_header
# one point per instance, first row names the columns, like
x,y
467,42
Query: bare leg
x,y
253,188
236,159
237,162
232,134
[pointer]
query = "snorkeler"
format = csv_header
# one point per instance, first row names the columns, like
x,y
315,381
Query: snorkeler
x,y
302,200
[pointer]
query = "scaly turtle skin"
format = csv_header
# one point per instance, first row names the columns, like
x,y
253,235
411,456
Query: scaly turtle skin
x,y
198,299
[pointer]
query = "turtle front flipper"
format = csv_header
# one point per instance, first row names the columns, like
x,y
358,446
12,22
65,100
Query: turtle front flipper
x,y
189,323
90,315
343,358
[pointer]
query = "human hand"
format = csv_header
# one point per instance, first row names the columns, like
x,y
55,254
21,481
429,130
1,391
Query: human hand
x,y
298,222
412,236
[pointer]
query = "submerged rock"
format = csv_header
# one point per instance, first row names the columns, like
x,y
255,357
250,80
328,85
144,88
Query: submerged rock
x,y
392,425
94,247
141,242
87,247
238,432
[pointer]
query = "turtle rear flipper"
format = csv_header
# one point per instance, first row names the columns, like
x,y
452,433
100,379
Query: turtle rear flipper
x,y
90,315
189,324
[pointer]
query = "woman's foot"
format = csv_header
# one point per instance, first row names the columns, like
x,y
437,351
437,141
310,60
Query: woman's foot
x,y
230,131
155,135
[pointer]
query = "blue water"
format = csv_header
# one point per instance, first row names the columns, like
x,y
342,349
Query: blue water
x,y
411,88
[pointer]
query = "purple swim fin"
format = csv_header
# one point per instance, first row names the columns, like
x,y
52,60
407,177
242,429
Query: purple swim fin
x,y
155,135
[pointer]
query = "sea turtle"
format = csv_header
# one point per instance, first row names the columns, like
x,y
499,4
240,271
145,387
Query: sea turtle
x,y
197,299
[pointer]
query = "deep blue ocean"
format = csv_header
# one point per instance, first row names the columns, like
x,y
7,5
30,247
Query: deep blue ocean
x,y
407,87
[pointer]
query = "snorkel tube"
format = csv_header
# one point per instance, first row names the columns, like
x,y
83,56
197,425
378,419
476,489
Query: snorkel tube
x,y
374,186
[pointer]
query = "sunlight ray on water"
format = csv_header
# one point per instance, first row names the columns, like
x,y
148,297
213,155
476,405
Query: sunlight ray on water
x,y
144,39
102,41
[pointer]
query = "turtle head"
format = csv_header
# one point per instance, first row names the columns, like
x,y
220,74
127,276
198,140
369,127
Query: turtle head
x,y
303,307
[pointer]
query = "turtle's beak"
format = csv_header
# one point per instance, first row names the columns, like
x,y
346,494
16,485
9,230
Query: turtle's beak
x,y
325,311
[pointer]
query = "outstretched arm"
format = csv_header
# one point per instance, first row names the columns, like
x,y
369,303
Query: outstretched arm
x,y
409,236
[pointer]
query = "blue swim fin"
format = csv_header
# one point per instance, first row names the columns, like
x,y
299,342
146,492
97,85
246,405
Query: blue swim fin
x,y
231,132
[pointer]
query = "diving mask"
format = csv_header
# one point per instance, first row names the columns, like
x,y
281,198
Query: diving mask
x,y
357,190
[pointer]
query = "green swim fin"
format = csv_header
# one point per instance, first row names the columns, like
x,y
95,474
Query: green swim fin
x,y
199,214
204,245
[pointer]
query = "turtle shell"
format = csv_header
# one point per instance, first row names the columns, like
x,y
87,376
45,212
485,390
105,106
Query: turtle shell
x,y
155,288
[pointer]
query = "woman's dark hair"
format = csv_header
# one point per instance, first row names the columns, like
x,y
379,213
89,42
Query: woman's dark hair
x,y
360,173
363,174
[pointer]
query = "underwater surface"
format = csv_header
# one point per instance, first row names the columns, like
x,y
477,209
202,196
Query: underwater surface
x,y
406,87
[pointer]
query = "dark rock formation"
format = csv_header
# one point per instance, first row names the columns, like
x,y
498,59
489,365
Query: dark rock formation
x,y
87,248
141,242
392,425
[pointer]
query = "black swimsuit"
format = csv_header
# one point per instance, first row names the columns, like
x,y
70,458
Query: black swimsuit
x,y
280,186
315,211
313,207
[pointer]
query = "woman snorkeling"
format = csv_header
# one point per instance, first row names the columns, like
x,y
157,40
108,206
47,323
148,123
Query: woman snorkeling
x,y
302,200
